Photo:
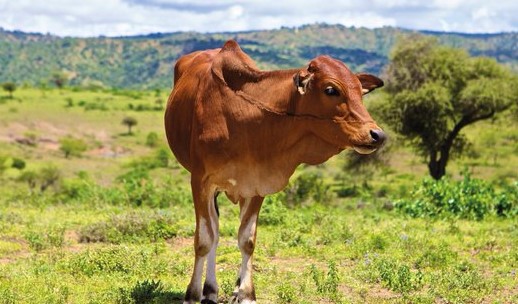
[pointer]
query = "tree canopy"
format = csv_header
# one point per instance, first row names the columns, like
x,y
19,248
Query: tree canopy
x,y
435,91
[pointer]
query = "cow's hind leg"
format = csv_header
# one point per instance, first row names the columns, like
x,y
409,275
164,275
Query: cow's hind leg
x,y
210,287
205,243
245,292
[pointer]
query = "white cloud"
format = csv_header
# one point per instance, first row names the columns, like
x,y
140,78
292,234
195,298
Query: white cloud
x,y
130,17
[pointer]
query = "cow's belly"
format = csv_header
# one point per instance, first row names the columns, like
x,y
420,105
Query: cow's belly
x,y
245,181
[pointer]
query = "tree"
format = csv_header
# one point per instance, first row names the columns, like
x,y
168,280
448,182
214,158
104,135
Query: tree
x,y
436,91
72,146
130,122
9,87
59,79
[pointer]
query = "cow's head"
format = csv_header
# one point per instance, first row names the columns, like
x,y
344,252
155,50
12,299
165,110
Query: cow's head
x,y
332,94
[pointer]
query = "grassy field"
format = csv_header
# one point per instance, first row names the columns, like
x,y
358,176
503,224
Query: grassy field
x,y
116,223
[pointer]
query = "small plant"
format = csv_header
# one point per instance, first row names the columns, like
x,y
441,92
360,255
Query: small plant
x,y
328,284
36,240
145,291
286,293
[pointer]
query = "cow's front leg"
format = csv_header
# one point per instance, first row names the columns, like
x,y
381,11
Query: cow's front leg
x,y
249,212
205,243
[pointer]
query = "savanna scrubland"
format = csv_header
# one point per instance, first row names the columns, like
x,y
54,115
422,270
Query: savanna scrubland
x,y
94,209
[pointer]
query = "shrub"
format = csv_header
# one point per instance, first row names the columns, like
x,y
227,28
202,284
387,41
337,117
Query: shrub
x,y
90,106
394,275
45,238
286,293
72,146
132,226
18,163
326,284
273,212
45,177
470,198
105,260
307,185
152,139
49,176
146,292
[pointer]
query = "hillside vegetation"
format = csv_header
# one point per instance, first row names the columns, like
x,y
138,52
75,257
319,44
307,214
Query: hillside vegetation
x,y
147,61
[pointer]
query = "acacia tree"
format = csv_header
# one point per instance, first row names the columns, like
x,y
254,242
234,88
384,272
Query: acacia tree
x,y
9,87
436,91
129,122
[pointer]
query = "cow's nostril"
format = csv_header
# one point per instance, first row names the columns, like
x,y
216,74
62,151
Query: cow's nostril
x,y
378,136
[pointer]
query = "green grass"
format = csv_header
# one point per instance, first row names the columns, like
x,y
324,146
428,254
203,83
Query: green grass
x,y
118,228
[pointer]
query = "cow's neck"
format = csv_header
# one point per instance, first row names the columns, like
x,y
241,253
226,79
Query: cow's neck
x,y
271,91
276,93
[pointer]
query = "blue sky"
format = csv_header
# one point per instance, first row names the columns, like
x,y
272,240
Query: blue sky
x,y
131,17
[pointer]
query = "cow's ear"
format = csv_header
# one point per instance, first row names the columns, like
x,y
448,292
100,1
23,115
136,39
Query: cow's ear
x,y
369,82
301,81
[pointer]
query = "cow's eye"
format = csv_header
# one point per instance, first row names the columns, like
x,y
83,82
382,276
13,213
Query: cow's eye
x,y
330,91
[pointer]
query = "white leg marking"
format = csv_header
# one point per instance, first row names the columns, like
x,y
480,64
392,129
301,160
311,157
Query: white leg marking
x,y
210,277
246,237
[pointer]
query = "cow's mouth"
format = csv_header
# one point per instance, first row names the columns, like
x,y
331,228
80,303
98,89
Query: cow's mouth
x,y
365,149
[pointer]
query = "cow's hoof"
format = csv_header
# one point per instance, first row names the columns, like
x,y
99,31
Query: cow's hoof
x,y
235,300
207,301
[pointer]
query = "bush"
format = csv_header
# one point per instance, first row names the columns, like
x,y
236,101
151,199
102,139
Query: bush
x,y
46,238
392,274
273,211
132,226
44,178
146,292
152,139
18,163
470,198
307,185
72,146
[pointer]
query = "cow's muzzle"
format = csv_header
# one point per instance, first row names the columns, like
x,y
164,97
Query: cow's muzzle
x,y
377,138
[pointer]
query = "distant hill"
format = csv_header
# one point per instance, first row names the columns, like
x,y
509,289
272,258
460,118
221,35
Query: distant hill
x,y
146,61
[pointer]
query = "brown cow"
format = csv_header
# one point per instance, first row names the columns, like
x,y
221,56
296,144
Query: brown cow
x,y
243,131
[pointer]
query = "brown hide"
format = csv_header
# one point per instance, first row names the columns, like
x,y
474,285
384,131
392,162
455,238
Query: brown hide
x,y
244,131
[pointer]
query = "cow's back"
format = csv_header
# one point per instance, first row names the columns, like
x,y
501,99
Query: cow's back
x,y
189,73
